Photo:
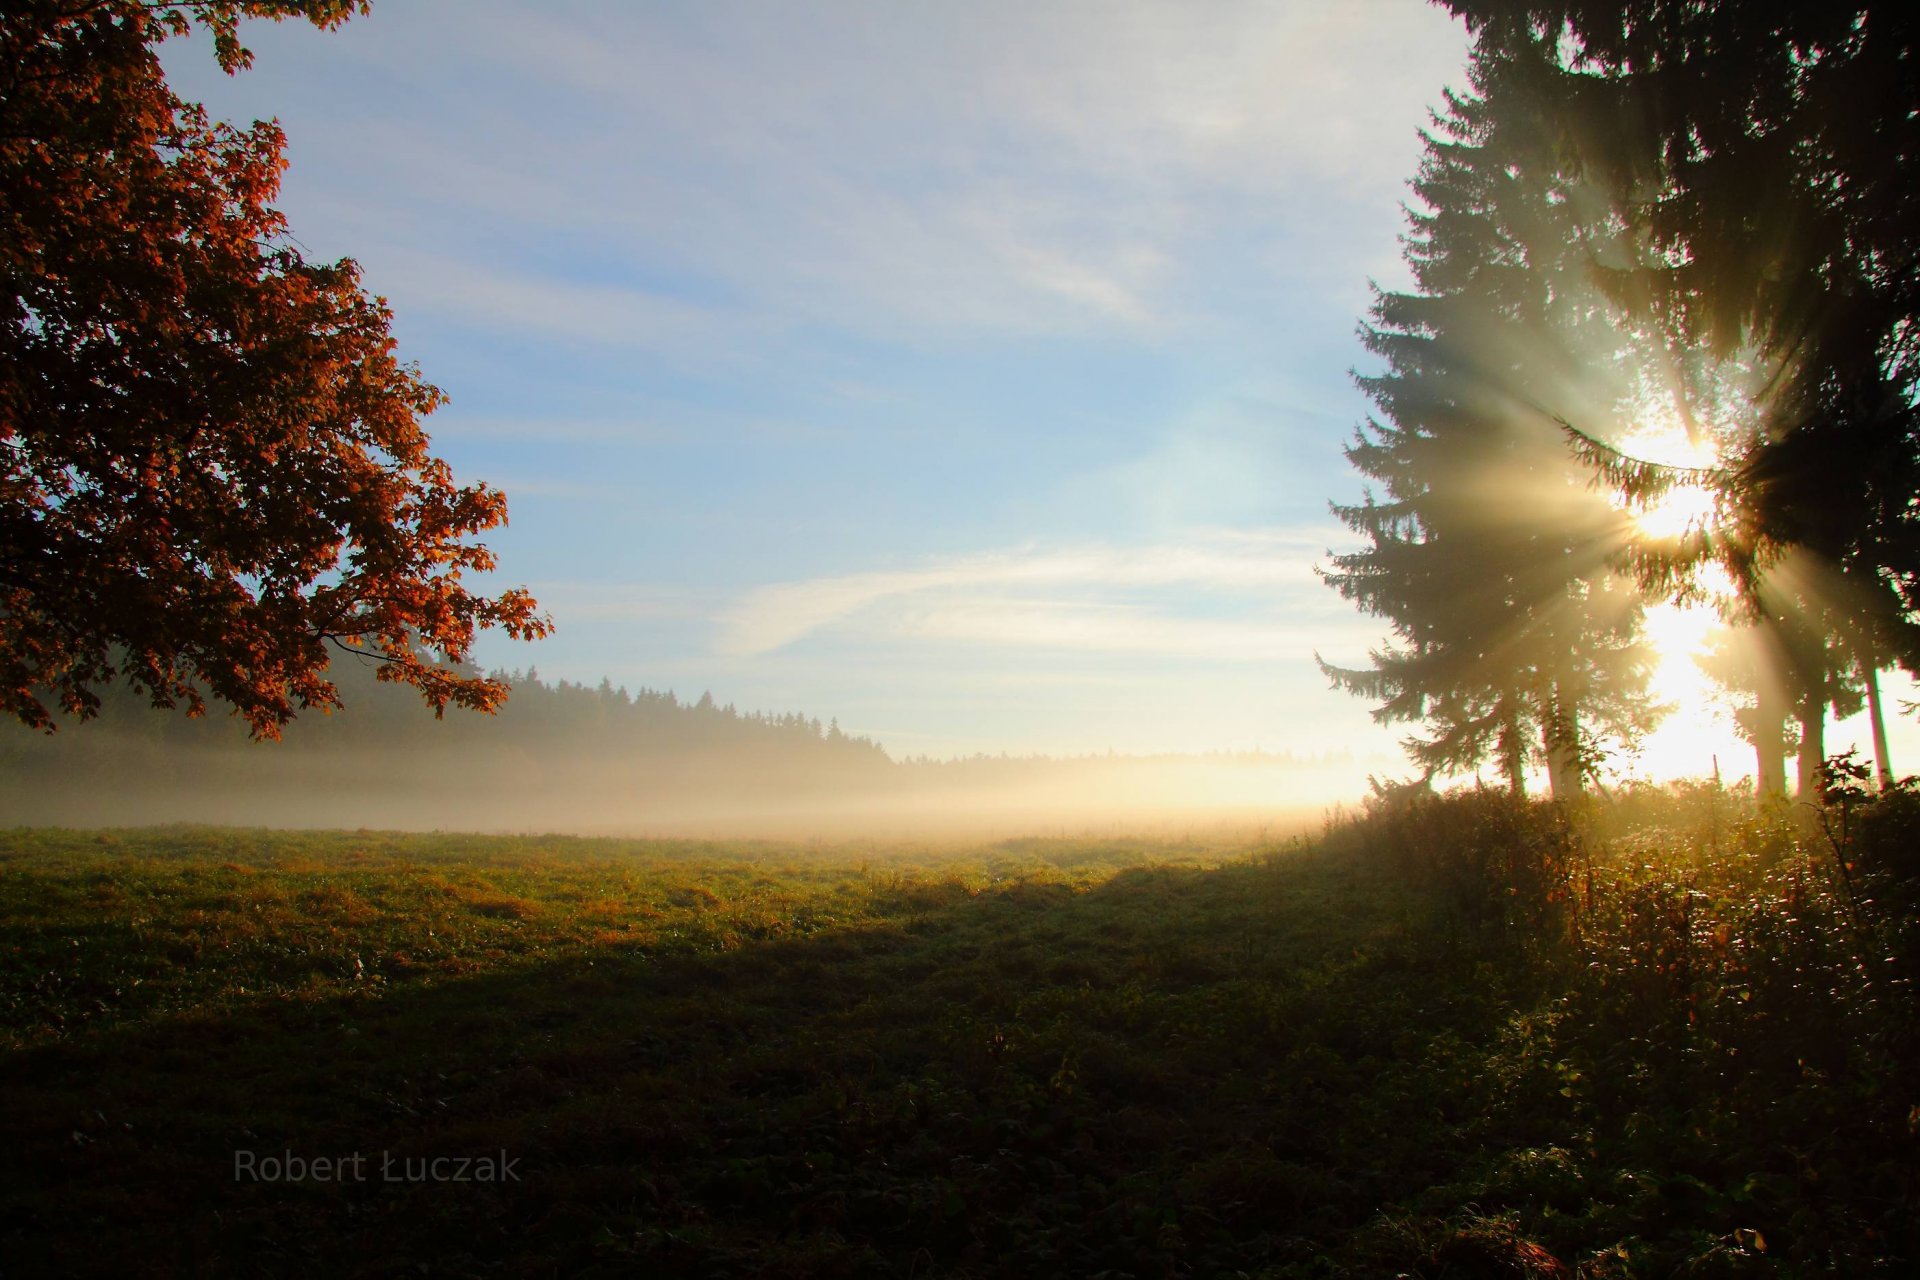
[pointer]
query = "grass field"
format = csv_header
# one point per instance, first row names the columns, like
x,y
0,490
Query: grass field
x,y
1461,1042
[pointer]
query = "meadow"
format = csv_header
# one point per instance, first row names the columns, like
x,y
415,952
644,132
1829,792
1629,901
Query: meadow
x,y
1453,1036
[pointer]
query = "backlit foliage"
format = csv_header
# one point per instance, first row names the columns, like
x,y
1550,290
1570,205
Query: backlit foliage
x,y
213,474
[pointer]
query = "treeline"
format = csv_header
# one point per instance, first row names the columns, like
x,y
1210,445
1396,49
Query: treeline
x,y
1662,346
557,754
538,713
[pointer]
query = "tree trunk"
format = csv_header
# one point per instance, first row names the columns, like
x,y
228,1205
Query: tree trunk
x,y
1770,766
1813,751
1561,737
1513,757
1883,767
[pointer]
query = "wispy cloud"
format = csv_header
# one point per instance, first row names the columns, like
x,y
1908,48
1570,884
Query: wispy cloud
x,y
1080,282
987,598
479,296
813,163
1089,627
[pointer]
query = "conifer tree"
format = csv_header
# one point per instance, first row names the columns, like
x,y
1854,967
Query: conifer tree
x,y
1487,549
1763,158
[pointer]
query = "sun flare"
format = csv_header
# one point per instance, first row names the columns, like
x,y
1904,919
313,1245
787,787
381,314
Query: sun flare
x,y
1679,511
1685,508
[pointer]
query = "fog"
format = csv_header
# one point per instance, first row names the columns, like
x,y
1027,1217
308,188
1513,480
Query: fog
x,y
717,795
565,758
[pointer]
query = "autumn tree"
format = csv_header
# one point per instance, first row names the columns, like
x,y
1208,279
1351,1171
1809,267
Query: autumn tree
x,y
1485,547
213,475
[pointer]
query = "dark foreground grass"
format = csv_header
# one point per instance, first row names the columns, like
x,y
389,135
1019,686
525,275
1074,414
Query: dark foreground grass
x,y
1036,1059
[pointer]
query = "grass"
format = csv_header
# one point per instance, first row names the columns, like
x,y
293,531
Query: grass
x,y
1450,1039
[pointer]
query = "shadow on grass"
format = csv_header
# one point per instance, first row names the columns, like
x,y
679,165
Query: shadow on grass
x,y
1174,1072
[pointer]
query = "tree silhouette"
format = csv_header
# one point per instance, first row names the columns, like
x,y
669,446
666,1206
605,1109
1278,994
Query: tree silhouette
x,y
1487,551
212,469
1762,157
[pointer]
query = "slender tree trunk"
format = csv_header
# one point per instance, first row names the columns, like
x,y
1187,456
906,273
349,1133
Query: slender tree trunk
x,y
1770,752
1513,757
1561,737
1563,777
1770,767
1813,750
1881,764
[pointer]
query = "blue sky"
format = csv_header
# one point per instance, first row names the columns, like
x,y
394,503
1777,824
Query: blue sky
x,y
974,374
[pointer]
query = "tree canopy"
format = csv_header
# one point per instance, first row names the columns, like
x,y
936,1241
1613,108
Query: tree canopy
x,y
213,474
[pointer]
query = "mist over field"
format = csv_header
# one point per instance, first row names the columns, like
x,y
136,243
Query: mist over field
x,y
1128,795
564,758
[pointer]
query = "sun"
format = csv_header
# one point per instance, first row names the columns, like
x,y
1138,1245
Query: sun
x,y
1679,511
1698,735
1685,508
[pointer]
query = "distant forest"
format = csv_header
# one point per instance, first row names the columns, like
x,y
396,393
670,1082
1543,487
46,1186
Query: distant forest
x,y
551,751
562,756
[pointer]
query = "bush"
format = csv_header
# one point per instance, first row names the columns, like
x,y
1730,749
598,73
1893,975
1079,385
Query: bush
x,y
1493,860
1725,1014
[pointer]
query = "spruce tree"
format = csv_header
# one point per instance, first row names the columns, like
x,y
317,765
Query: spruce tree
x,y
1487,548
1761,157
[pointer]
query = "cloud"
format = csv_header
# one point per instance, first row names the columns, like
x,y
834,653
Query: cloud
x,y
1109,628
955,599
516,302
997,167
1081,283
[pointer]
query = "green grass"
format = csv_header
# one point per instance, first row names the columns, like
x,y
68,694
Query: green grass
x,y
1038,1058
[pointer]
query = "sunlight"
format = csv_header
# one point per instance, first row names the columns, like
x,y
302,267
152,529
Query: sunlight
x,y
1698,731
1676,513
1698,734
1661,438
1684,508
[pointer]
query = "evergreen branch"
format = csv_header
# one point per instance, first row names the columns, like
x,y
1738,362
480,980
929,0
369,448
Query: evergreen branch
x,y
1639,481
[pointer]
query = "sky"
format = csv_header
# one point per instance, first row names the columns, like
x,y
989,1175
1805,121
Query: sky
x,y
975,375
